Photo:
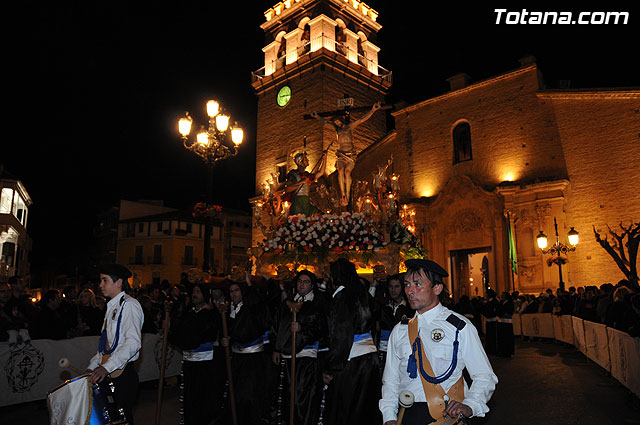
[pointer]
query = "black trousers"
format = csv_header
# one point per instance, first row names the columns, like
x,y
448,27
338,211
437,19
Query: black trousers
x,y
249,378
198,393
418,414
126,391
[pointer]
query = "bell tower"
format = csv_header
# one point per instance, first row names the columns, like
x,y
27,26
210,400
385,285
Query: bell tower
x,y
319,55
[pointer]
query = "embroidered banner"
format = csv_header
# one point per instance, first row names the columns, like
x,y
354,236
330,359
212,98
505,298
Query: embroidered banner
x,y
517,324
537,325
578,334
595,337
625,359
28,371
563,328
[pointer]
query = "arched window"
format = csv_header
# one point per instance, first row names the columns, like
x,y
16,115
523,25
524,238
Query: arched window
x,y
461,143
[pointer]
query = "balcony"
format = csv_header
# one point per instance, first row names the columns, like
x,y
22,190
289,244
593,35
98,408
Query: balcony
x,y
155,260
136,261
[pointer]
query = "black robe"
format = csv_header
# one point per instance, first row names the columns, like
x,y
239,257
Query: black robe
x,y
188,332
249,370
490,311
353,395
308,383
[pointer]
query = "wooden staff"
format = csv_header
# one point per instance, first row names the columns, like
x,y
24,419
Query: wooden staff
x,y
163,360
222,307
295,308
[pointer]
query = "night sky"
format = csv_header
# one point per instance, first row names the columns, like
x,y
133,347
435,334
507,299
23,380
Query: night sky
x,y
96,91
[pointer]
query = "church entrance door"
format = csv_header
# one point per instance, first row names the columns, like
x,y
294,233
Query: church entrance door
x,y
470,272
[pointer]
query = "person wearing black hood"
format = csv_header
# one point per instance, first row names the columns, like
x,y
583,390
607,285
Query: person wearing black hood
x,y
490,312
352,369
248,319
194,331
505,343
310,327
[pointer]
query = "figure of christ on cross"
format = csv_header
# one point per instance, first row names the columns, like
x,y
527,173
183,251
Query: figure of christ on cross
x,y
346,153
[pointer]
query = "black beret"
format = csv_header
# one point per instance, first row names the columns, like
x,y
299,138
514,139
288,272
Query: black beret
x,y
429,265
115,270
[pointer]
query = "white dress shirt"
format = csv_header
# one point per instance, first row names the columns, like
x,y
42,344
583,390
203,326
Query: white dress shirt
x,y
470,355
130,340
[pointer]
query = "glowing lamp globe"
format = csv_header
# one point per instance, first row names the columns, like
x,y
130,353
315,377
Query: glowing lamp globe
x,y
542,240
573,236
213,107
184,125
222,122
236,135
203,138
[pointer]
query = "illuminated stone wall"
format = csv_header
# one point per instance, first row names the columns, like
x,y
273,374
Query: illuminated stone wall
x,y
572,156
600,134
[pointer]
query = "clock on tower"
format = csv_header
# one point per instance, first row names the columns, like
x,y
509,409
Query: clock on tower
x,y
284,96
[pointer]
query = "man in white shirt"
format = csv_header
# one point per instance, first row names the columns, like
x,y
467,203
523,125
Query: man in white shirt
x,y
121,338
444,344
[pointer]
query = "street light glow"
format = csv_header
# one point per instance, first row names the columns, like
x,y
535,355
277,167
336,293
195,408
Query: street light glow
x,y
184,125
573,236
222,122
213,107
236,135
542,240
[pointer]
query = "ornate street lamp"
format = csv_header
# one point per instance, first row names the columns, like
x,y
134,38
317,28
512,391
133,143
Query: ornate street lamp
x,y
558,247
209,145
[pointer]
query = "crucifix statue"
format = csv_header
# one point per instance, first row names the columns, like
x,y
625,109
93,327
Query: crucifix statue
x,y
343,125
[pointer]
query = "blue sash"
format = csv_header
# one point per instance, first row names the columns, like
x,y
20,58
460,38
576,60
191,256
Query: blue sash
x,y
385,334
360,337
313,346
102,344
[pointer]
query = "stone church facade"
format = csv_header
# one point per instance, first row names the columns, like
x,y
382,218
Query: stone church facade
x,y
484,156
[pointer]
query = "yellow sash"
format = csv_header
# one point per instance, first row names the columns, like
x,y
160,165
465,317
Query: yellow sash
x,y
434,393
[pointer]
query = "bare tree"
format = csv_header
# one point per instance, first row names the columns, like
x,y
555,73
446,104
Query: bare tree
x,y
625,254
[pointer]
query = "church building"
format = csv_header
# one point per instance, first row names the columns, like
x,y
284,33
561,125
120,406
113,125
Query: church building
x,y
487,159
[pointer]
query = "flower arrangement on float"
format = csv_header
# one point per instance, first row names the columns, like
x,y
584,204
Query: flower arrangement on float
x,y
556,260
324,234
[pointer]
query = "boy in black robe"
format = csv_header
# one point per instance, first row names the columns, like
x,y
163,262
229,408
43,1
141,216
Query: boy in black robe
x,y
310,327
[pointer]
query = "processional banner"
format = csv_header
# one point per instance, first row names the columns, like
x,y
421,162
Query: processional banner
x,y
29,370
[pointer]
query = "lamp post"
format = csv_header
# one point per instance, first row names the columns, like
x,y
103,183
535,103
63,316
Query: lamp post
x,y
208,145
558,247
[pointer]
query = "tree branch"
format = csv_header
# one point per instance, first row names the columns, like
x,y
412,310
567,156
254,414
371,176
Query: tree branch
x,y
604,243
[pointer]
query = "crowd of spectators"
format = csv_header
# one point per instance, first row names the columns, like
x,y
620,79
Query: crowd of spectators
x,y
69,313
617,306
